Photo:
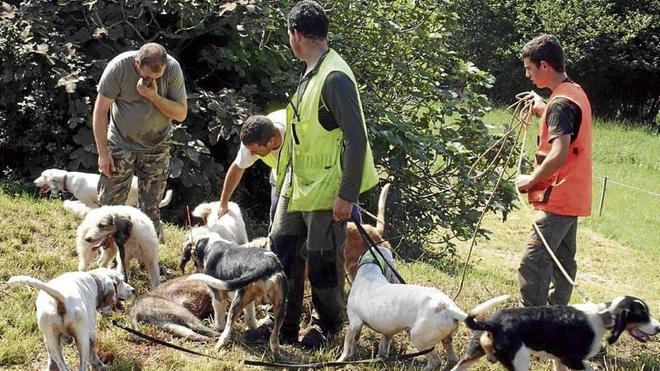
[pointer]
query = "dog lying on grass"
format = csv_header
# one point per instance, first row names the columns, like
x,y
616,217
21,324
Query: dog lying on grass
x,y
177,306
379,302
67,305
569,335
83,188
253,273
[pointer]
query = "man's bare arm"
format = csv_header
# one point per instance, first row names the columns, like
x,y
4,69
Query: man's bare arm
x,y
100,128
556,157
232,178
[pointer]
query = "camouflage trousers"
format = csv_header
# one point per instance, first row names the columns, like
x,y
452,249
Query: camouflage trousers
x,y
316,239
150,167
541,281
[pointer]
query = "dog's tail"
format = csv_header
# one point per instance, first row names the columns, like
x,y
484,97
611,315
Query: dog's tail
x,y
382,201
471,322
211,282
232,284
76,207
167,199
41,285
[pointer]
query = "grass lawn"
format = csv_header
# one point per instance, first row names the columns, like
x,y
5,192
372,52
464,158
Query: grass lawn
x,y
617,254
630,158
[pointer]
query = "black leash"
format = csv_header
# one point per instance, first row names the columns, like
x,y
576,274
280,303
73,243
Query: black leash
x,y
335,363
372,247
124,327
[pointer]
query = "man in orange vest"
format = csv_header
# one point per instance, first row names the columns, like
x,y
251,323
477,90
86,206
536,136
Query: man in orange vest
x,y
559,188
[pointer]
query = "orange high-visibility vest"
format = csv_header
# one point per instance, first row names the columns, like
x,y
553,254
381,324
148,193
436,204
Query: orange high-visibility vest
x,y
569,190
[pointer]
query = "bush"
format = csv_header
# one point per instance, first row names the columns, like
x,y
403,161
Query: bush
x,y
421,98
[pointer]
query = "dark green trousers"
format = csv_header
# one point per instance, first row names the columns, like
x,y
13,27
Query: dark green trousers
x,y
312,239
541,281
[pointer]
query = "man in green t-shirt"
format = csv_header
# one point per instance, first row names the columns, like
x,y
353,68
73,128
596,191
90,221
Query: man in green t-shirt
x,y
139,94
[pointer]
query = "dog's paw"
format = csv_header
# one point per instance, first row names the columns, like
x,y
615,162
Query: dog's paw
x,y
222,343
106,311
220,325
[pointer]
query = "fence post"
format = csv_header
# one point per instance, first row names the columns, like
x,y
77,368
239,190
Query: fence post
x,y
602,196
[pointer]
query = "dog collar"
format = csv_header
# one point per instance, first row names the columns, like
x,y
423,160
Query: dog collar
x,y
368,258
64,184
99,295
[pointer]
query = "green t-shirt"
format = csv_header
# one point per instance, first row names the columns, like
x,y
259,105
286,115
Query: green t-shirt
x,y
135,123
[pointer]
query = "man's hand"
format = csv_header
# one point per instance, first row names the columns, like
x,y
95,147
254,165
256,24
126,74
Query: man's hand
x,y
223,210
538,105
523,183
147,88
341,209
106,164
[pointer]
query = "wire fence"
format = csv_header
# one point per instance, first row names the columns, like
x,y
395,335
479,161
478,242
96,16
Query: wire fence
x,y
606,180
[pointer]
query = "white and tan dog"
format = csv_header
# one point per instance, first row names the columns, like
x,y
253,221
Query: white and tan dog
x,y
83,188
118,229
388,308
67,305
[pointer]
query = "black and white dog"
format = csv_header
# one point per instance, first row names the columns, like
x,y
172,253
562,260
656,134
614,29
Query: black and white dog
x,y
252,273
569,335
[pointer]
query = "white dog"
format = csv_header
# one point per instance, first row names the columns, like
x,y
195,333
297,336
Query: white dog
x,y
230,226
83,188
429,315
118,229
67,305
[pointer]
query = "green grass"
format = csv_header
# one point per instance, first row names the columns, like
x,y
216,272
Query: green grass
x,y
617,254
627,155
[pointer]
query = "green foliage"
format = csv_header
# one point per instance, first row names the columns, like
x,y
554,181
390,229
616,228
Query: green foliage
x,y
611,48
423,110
235,58
420,97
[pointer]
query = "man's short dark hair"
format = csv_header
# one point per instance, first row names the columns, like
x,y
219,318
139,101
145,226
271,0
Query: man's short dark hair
x,y
152,55
257,129
545,48
308,18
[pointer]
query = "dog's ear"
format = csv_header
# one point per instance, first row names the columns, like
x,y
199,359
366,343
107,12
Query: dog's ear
x,y
620,322
107,220
123,225
186,254
199,252
200,247
106,295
